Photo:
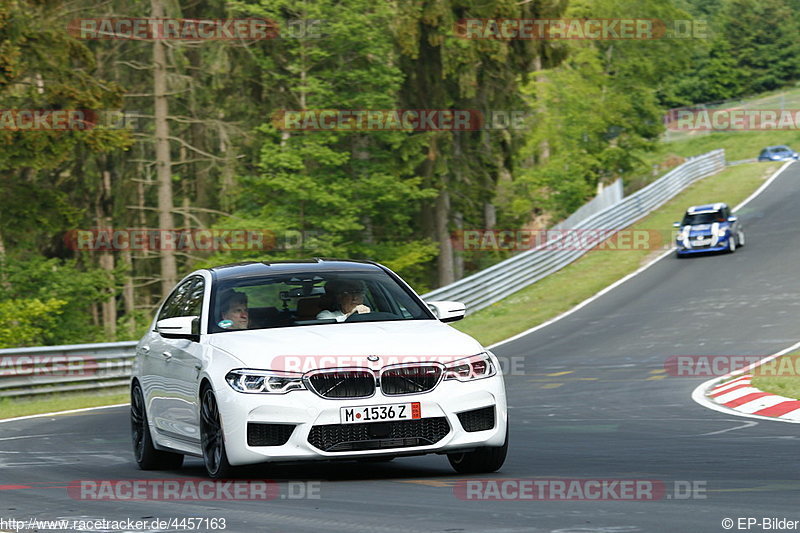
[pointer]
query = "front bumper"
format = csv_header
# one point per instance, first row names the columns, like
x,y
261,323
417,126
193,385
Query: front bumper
x,y
315,432
700,250
720,246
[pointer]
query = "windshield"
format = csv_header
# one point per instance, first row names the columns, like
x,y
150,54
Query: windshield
x,y
301,299
703,218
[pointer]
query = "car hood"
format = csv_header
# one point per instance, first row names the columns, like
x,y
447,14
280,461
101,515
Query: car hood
x,y
701,230
302,348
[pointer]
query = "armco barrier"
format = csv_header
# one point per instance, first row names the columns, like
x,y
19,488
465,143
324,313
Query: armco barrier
x,y
75,367
30,371
499,281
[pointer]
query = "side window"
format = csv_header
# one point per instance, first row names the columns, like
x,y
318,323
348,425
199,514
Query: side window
x,y
194,299
178,300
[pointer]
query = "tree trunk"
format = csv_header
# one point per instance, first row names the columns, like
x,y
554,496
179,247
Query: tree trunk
x,y
444,263
458,256
544,146
106,260
3,278
128,295
169,270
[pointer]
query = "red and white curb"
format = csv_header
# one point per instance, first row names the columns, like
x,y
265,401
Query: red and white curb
x,y
743,397
739,397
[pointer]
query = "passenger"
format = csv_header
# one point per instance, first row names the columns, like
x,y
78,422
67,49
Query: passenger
x,y
347,297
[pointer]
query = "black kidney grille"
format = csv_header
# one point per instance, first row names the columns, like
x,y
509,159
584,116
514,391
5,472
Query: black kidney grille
x,y
379,435
343,383
477,419
268,434
410,379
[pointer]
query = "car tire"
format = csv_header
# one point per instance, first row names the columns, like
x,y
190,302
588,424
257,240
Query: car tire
x,y
145,453
741,239
731,244
484,460
212,438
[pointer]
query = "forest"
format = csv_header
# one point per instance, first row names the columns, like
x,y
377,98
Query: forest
x,y
133,153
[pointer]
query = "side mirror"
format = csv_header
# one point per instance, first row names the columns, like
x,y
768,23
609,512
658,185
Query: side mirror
x,y
676,224
180,327
732,218
448,311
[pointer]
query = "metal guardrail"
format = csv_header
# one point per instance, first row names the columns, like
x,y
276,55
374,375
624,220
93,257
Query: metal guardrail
x,y
503,279
80,367
74,367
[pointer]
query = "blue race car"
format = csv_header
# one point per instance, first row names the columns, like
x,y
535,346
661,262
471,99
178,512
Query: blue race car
x,y
778,153
708,228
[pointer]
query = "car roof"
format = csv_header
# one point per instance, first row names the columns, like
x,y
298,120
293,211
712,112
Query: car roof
x,y
249,269
706,208
780,147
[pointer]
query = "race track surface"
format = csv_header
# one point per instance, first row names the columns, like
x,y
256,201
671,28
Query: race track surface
x,y
594,403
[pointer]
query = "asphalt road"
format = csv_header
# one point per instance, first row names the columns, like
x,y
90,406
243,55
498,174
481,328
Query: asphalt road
x,y
594,403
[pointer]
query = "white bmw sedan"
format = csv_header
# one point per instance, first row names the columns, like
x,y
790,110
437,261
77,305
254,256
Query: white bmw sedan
x,y
318,360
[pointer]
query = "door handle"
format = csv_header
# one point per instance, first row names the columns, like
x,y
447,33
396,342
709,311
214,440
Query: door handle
x,y
167,355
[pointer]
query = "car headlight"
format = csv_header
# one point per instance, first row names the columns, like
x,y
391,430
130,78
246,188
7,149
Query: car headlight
x,y
264,381
471,368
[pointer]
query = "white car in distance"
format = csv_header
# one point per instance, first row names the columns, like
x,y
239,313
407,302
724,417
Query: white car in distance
x,y
312,360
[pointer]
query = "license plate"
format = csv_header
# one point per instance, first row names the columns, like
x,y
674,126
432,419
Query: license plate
x,y
380,413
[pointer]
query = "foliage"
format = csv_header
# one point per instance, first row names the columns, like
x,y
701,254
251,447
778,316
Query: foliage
x,y
593,113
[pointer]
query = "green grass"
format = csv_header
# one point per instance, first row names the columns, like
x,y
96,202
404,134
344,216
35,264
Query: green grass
x,y
597,269
49,403
738,145
784,99
590,274
786,382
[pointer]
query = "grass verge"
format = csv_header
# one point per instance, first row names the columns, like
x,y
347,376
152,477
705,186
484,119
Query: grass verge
x,y
527,308
49,403
597,269
780,376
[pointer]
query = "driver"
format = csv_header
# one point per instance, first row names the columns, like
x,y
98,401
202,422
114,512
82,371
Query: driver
x,y
235,314
347,297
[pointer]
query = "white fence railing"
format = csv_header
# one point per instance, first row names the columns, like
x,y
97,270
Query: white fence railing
x,y
501,280
77,367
